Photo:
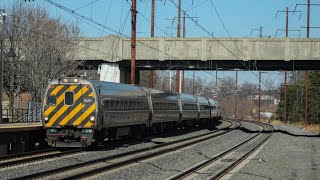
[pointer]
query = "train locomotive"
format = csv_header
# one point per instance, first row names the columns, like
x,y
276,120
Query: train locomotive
x,y
79,112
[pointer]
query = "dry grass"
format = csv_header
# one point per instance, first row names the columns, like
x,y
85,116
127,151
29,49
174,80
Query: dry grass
x,y
315,128
277,122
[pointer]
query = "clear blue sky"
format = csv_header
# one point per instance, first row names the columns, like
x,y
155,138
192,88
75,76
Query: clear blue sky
x,y
239,18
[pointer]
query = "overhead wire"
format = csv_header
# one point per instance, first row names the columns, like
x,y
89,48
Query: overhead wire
x,y
215,38
121,33
105,21
53,36
86,5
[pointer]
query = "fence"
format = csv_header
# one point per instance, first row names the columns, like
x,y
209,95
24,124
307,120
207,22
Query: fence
x,y
18,115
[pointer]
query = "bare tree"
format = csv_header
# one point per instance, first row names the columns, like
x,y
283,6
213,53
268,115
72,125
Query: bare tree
x,y
39,42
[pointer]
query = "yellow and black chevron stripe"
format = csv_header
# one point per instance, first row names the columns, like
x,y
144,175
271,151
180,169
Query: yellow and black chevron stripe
x,y
76,115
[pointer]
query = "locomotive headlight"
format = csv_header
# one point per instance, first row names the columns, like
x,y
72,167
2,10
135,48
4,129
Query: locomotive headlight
x,y
75,80
92,118
65,80
46,118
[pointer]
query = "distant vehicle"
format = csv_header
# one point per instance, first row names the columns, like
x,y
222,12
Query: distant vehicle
x,y
78,112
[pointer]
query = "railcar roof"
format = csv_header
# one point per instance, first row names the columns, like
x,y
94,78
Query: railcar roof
x,y
212,102
187,97
202,100
115,86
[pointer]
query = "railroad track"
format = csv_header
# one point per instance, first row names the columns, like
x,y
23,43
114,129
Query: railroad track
x,y
90,168
23,158
220,164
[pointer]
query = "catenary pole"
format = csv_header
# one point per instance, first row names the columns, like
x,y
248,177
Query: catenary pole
x,y
152,35
133,41
287,22
285,98
307,73
178,35
1,63
235,95
259,104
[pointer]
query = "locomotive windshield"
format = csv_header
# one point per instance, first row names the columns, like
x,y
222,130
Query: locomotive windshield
x,y
69,98
52,100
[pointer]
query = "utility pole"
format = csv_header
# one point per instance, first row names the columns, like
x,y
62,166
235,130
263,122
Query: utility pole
x,y
285,98
235,95
178,35
178,81
308,20
184,35
261,32
133,41
306,108
308,15
184,24
307,73
287,23
152,35
1,62
152,18
216,75
259,95
179,16
285,74
193,76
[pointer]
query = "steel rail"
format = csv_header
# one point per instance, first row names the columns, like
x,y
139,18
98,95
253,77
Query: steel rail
x,y
201,165
35,156
238,161
83,169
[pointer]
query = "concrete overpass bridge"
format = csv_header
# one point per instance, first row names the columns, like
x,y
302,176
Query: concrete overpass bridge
x,y
204,53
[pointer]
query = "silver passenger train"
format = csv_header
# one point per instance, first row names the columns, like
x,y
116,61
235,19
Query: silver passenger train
x,y
78,112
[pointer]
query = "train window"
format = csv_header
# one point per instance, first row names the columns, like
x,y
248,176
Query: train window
x,y
117,105
133,105
52,100
106,104
69,98
111,104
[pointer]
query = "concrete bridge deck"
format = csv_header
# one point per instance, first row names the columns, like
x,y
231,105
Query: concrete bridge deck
x,y
201,53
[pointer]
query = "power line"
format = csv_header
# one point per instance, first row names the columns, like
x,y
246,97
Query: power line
x,y
211,35
86,5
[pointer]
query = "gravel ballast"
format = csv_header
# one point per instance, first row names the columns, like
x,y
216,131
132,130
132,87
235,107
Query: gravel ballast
x,y
291,153
172,163
45,165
